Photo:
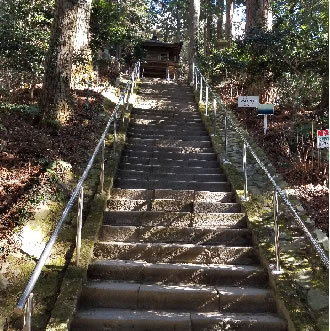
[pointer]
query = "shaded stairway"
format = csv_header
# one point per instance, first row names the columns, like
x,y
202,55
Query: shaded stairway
x,y
174,252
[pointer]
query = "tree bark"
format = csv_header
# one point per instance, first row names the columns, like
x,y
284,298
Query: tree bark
x,y
82,60
220,9
229,19
194,13
56,101
178,24
207,30
257,15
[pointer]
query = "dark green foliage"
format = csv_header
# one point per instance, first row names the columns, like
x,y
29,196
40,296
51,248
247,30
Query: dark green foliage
x,y
293,56
114,24
24,34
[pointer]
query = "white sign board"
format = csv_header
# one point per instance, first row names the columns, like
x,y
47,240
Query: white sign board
x,y
322,138
248,101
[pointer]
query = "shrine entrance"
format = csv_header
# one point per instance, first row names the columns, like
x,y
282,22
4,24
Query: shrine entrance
x,y
161,58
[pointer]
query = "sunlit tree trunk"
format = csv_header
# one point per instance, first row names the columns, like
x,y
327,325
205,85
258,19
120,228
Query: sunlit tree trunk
x,y
220,9
229,19
178,24
207,29
194,13
81,67
258,14
56,101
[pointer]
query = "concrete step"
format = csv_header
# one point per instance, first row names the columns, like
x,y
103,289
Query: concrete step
x,y
200,236
169,162
181,195
170,155
147,144
182,131
167,273
173,96
167,117
173,136
175,253
178,219
164,114
96,319
164,169
173,205
176,297
196,129
131,174
162,124
127,183
169,112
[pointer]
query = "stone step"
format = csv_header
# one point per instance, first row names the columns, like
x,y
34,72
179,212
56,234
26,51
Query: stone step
x,y
163,169
170,155
150,184
145,130
196,129
169,163
179,219
175,253
172,137
132,174
181,195
200,236
96,319
173,205
169,112
199,298
160,124
173,96
167,273
167,144
165,115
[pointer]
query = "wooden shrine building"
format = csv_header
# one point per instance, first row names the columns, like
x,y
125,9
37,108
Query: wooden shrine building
x,y
161,58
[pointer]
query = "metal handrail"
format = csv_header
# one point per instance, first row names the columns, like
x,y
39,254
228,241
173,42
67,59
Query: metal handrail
x,y
277,188
47,250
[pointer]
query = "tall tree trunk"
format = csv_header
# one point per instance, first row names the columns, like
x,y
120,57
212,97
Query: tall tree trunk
x,y
229,19
194,12
82,63
56,99
325,92
178,24
207,30
69,38
220,9
208,34
257,15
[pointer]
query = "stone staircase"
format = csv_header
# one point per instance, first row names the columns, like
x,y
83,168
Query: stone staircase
x,y
174,251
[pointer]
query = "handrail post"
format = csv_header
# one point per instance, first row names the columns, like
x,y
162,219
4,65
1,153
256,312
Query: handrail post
x,y
193,74
226,140
102,167
132,87
276,232
245,197
196,79
214,117
201,90
79,224
27,323
114,132
206,100
139,72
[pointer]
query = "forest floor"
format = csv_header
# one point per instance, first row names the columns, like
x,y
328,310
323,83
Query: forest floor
x,y
308,178
28,150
